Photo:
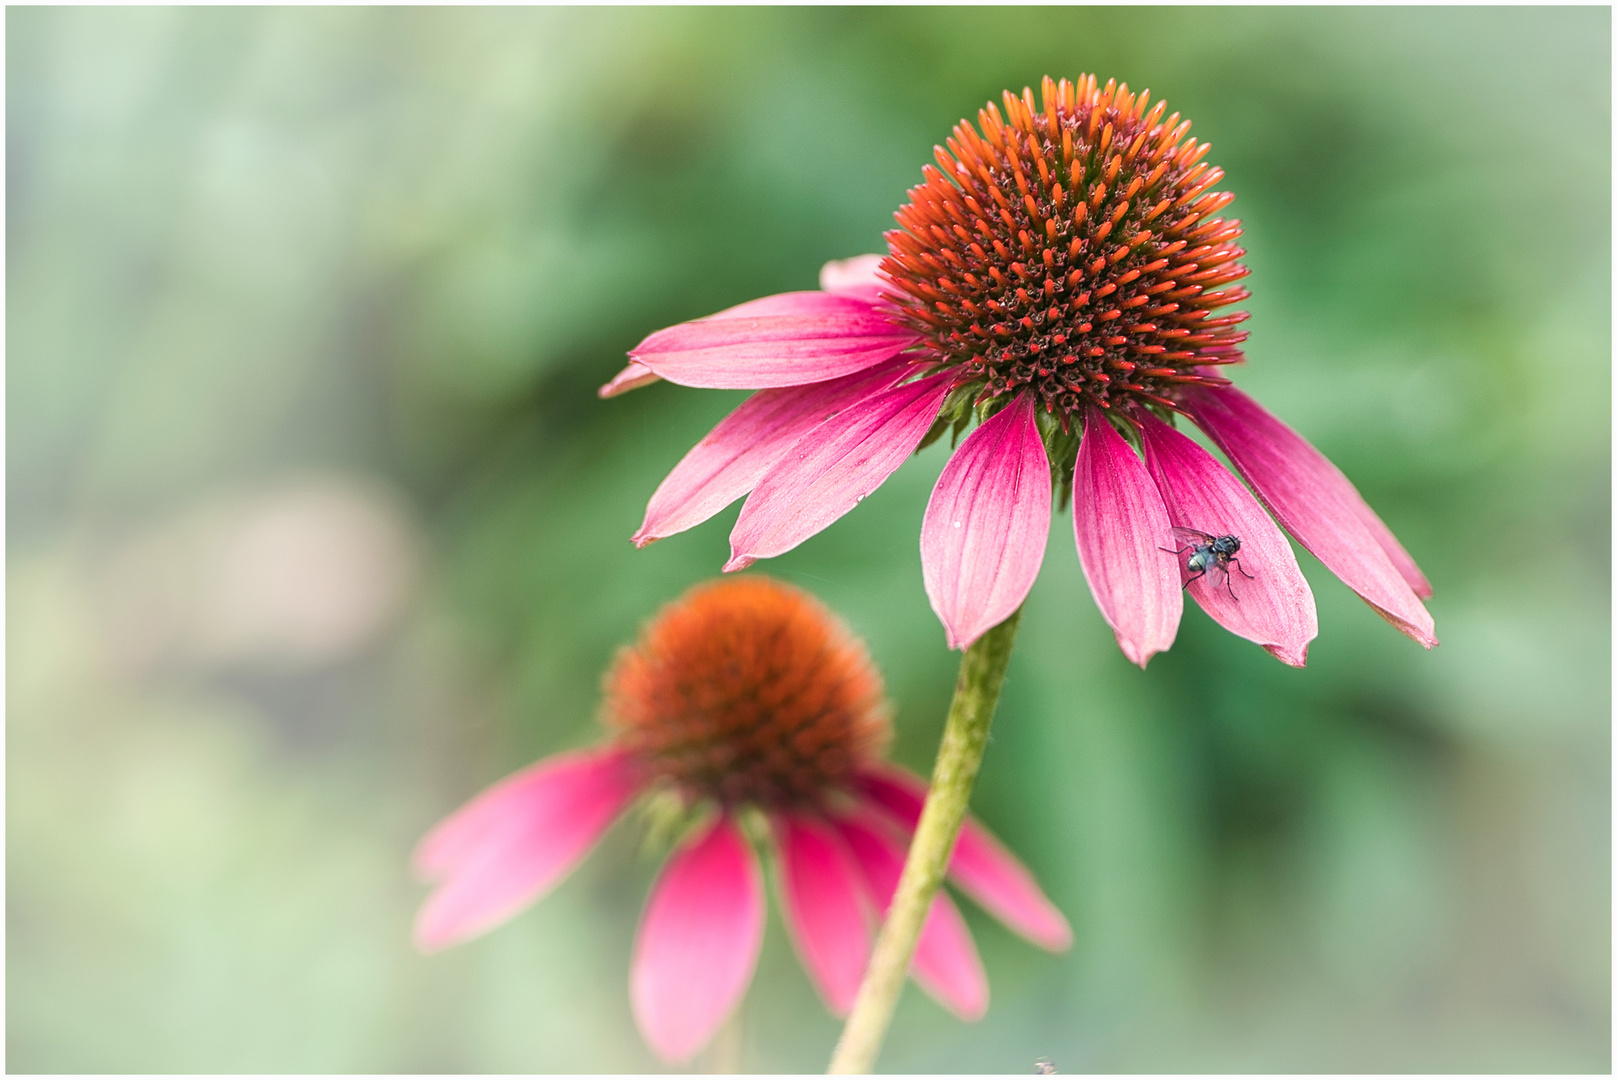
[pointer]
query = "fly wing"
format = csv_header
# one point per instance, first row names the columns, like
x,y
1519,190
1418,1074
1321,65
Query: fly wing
x,y
1186,543
1190,536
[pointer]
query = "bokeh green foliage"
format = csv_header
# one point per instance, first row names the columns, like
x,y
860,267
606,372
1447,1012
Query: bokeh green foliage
x,y
402,247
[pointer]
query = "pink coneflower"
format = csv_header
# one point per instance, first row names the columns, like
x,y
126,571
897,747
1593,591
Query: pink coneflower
x,y
1061,279
761,715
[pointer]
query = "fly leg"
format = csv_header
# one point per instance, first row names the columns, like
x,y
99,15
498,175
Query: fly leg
x,y
1181,551
1244,574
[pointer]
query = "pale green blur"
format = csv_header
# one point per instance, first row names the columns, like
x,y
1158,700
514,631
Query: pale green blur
x,y
316,527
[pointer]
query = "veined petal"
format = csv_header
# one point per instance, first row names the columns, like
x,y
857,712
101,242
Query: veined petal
x,y
806,304
632,377
512,843
983,536
981,866
1118,521
826,911
784,340
1274,607
637,375
729,462
1317,505
831,468
854,277
698,942
946,963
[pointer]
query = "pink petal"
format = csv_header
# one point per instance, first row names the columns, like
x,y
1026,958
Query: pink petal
x,y
1317,505
729,462
512,843
637,375
1118,521
854,277
946,962
806,304
1275,607
981,865
834,466
632,377
784,340
826,913
698,942
982,539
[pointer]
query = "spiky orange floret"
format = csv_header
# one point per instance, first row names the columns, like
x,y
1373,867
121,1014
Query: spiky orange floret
x,y
1073,249
748,690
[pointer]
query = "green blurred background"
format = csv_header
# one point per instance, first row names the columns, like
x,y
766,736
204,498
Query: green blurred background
x,y
316,527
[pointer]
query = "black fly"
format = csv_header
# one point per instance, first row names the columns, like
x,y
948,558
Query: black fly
x,y
1209,553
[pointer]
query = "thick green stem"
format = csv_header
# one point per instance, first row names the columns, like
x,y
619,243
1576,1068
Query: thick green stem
x,y
965,737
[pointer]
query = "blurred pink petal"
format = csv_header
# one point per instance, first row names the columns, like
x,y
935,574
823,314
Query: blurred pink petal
x,y
512,843
832,468
729,462
1317,505
632,377
946,962
784,340
698,942
981,866
854,277
1118,521
983,536
1275,607
826,912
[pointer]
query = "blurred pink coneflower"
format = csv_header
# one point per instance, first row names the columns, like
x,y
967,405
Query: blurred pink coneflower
x,y
1061,278
765,719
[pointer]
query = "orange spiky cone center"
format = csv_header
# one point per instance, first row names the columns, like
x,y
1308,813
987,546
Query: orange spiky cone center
x,y
1073,249
748,691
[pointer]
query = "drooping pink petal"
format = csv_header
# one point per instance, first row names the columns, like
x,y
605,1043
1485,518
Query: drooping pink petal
x,y
854,277
784,340
698,942
729,462
632,377
1317,505
983,868
831,468
1118,521
1274,606
946,963
983,536
826,910
512,843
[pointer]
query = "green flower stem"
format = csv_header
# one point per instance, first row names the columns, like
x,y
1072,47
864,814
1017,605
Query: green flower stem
x,y
965,737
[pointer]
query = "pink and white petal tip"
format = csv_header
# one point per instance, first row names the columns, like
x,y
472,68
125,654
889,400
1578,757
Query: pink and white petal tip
x,y
1118,522
1262,595
986,524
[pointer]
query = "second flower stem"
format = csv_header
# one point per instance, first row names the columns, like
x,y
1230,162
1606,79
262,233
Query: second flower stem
x,y
965,737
